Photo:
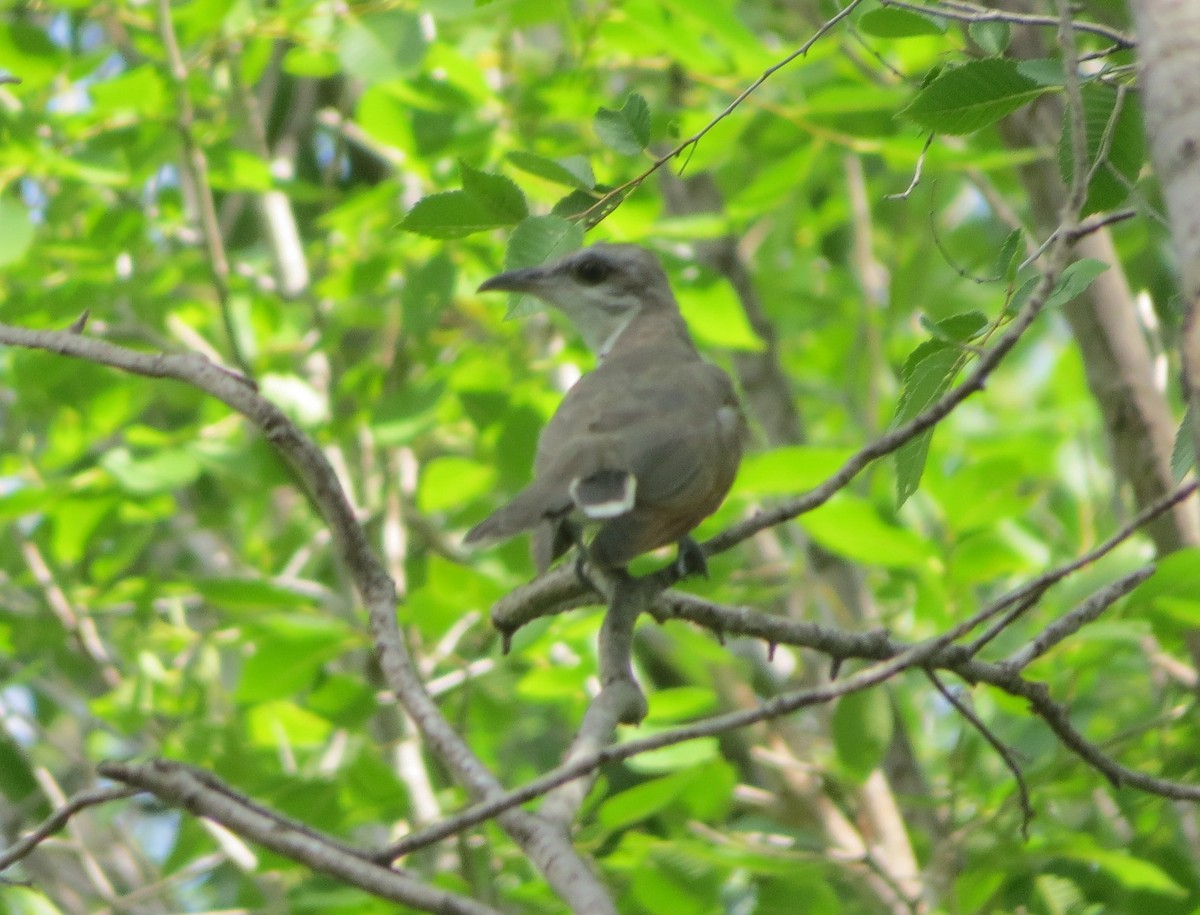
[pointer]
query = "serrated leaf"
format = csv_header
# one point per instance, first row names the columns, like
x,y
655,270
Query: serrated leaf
x,y
1045,71
538,240
862,729
628,130
992,37
637,115
450,214
896,23
497,195
577,202
573,171
1120,129
926,376
1007,261
967,98
956,329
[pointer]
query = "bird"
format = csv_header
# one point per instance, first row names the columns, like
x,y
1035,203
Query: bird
x,y
642,448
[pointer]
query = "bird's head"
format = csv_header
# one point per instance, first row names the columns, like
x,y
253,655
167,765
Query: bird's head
x,y
601,289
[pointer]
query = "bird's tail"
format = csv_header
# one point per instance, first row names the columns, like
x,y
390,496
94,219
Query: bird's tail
x,y
521,514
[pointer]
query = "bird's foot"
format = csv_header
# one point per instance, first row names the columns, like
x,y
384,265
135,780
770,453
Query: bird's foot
x,y
581,573
604,581
690,560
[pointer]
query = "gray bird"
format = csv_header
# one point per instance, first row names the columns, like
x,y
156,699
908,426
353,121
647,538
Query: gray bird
x,y
642,448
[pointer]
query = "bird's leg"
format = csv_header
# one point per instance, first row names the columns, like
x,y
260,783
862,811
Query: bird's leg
x,y
690,560
575,532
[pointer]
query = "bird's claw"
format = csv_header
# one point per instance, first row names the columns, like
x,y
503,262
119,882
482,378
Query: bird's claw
x,y
691,559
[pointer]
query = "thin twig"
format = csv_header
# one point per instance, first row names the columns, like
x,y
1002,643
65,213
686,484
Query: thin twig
x,y
195,167
58,819
605,205
967,12
1087,612
546,846
996,744
202,794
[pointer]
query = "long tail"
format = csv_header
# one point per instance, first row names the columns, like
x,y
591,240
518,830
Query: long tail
x,y
529,507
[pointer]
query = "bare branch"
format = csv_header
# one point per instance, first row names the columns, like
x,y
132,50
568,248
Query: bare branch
x,y
839,644
58,819
548,847
204,795
969,12
1087,612
996,744
195,167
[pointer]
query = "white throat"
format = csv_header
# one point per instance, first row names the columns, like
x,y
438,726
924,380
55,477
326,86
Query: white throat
x,y
609,343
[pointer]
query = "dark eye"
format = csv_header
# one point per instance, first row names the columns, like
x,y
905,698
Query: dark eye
x,y
591,271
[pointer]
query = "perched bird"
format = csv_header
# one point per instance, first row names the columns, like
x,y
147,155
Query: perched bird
x,y
643,447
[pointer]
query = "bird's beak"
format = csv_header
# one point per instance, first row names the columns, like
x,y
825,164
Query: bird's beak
x,y
528,280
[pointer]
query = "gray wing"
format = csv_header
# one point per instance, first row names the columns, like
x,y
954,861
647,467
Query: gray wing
x,y
661,424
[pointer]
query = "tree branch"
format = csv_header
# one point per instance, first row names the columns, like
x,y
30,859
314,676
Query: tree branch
x,y
202,794
58,819
550,850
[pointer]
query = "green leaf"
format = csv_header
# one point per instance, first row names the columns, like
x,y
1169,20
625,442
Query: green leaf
x,y
451,482
573,171
1008,260
897,23
428,289
680,703
162,471
642,801
1175,575
496,194
1075,280
628,130
450,214
676,756
382,46
791,469
1183,452
16,231
964,99
926,376
541,239
862,730
1118,128
138,90
851,527
991,36
1134,874
28,53
1043,71
249,594
310,62
713,312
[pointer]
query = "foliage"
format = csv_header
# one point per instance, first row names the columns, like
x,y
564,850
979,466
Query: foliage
x,y
166,589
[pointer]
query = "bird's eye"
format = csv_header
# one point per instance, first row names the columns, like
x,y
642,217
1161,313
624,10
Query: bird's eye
x,y
591,271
